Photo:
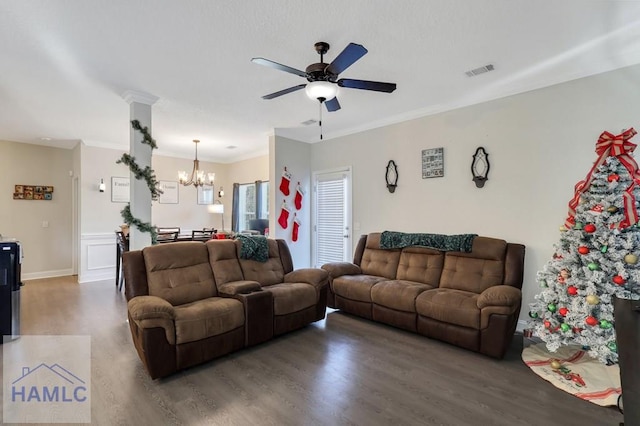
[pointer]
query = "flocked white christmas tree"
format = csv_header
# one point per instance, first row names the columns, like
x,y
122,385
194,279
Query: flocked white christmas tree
x,y
596,257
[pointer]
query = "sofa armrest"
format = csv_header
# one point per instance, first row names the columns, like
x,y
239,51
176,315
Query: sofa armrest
x,y
337,269
314,276
148,312
150,307
500,295
238,287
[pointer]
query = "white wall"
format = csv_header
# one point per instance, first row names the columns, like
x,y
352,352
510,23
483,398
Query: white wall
x,y
540,144
296,157
47,250
187,214
98,213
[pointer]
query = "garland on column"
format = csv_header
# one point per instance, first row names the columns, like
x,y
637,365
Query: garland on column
x,y
147,174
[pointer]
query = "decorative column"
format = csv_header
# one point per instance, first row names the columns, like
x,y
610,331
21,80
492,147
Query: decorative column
x,y
140,197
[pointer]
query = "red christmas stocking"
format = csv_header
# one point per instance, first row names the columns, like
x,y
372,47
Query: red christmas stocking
x,y
283,220
297,200
284,183
296,228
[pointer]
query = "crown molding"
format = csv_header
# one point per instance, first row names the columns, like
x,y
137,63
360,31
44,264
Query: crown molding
x,y
131,96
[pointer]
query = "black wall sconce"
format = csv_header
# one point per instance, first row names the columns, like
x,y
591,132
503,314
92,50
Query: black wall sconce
x,y
392,176
480,167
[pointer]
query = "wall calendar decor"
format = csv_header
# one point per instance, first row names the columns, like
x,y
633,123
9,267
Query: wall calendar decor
x,y
33,192
432,163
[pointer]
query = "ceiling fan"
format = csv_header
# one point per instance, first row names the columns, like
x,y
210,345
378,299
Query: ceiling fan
x,y
323,78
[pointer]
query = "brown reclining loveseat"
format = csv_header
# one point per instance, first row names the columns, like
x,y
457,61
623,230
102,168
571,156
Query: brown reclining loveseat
x,y
470,299
190,302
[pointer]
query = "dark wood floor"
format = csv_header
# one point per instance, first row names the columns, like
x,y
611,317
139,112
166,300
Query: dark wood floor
x,y
341,371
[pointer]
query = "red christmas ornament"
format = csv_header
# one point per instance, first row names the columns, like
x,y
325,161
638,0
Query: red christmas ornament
x,y
591,320
619,280
547,324
563,311
597,208
577,330
583,250
613,177
590,227
572,290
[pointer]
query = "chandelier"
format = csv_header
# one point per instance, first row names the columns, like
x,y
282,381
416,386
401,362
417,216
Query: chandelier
x,y
198,177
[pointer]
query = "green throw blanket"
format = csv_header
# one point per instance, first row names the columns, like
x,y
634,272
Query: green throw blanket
x,y
254,247
395,240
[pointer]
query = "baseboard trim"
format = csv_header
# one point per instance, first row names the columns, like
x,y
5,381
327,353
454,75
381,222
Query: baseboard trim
x,y
91,277
46,274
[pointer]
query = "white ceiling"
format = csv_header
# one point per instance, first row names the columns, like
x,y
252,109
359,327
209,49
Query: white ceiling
x,y
65,64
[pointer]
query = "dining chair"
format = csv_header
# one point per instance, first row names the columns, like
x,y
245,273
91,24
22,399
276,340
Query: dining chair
x,y
166,237
201,235
122,245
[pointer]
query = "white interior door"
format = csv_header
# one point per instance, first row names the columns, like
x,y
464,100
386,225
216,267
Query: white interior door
x,y
332,217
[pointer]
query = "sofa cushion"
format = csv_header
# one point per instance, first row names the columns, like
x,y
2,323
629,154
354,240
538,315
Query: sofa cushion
x,y
266,273
292,297
398,294
224,261
206,318
420,264
355,287
478,270
179,272
377,261
488,248
469,274
450,306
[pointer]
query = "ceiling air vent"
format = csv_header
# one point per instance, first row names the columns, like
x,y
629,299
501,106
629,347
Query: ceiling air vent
x,y
480,70
308,122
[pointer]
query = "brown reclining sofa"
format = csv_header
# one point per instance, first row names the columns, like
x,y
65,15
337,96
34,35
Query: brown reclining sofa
x,y
190,302
470,299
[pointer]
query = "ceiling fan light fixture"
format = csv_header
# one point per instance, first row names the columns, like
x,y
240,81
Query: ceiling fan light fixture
x,y
321,90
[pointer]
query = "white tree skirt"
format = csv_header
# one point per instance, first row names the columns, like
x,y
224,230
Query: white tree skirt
x,y
579,374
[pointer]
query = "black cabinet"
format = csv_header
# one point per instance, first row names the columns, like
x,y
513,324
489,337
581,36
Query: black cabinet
x,y
10,262
627,319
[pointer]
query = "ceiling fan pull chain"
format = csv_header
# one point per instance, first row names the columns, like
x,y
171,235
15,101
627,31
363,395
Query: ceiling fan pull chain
x,y
320,122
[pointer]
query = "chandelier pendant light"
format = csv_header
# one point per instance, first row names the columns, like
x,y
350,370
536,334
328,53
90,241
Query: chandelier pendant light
x,y
198,177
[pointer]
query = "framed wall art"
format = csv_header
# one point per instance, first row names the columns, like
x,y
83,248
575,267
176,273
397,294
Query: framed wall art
x,y
169,190
205,194
432,163
120,189
33,192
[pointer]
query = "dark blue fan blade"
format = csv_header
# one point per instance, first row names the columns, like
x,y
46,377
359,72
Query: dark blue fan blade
x,y
283,92
346,58
271,64
332,105
367,85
